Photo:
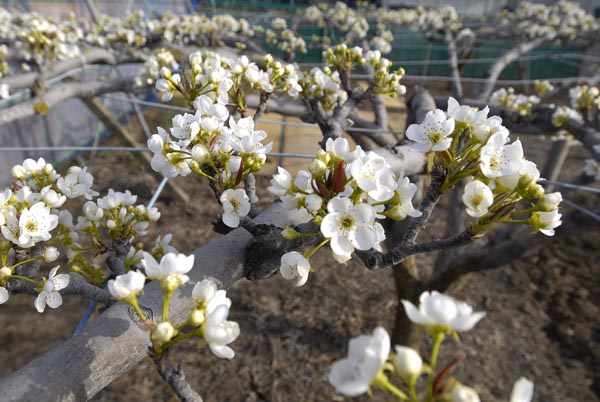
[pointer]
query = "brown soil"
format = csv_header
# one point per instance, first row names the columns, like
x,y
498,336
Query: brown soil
x,y
543,317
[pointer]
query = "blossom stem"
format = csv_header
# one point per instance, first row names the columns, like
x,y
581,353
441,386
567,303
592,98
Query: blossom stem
x,y
381,381
412,381
437,342
165,310
26,279
134,303
324,242
26,261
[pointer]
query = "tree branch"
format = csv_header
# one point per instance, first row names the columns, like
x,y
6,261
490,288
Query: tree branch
x,y
175,377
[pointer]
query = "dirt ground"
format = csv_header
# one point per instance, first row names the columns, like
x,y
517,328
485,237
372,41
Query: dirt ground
x,y
543,315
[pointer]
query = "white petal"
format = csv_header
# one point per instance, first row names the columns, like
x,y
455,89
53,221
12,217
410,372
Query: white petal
x,y
223,352
40,302
3,295
54,300
61,281
522,391
414,314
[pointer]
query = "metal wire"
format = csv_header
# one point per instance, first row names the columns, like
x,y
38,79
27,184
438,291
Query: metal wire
x,y
571,186
581,209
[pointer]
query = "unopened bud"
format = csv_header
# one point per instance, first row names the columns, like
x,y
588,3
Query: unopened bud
x,y
163,332
196,318
5,272
50,254
290,233
407,362
165,73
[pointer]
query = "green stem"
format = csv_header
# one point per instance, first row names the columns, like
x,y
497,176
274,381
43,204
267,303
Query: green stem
x,y
411,388
165,316
438,338
26,279
324,242
134,303
381,381
26,261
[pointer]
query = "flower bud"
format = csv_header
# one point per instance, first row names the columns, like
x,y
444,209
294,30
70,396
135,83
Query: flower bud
x,y
18,172
460,393
165,73
407,362
50,254
196,317
4,272
163,332
204,290
199,153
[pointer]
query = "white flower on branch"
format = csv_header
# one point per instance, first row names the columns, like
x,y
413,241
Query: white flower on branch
x,y
50,295
498,159
126,285
545,221
592,168
219,332
373,175
466,114
171,270
349,226
402,201
294,266
433,134
439,310
76,183
281,182
236,205
353,375
204,290
33,225
478,198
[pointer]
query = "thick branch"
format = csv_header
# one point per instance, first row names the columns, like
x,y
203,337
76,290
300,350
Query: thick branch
x,y
507,58
60,93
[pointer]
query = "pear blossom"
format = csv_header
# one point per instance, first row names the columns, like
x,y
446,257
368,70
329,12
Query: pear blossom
x,y
498,159
294,266
281,182
126,285
466,114
185,128
51,198
171,270
402,202
522,391
34,225
219,332
460,393
439,310
204,290
373,175
478,198
592,168
50,254
50,295
527,173
433,134
550,201
407,362
236,205
340,147
167,86
76,183
546,221
353,375
349,226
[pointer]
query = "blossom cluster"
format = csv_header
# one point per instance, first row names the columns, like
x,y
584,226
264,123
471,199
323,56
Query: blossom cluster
x,y
152,66
32,217
370,359
207,320
284,38
520,104
564,20
344,192
469,144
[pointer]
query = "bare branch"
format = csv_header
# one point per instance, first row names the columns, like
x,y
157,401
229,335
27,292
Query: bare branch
x,y
501,63
175,377
453,64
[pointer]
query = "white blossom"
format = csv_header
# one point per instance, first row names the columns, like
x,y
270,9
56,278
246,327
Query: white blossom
x,y
236,205
353,375
349,226
172,267
433,134
437,309
3,295
466,114
219,332
478,198
126,285
402,202
294,266
498,159
460,393
546,221
34,225
281,182
50,295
